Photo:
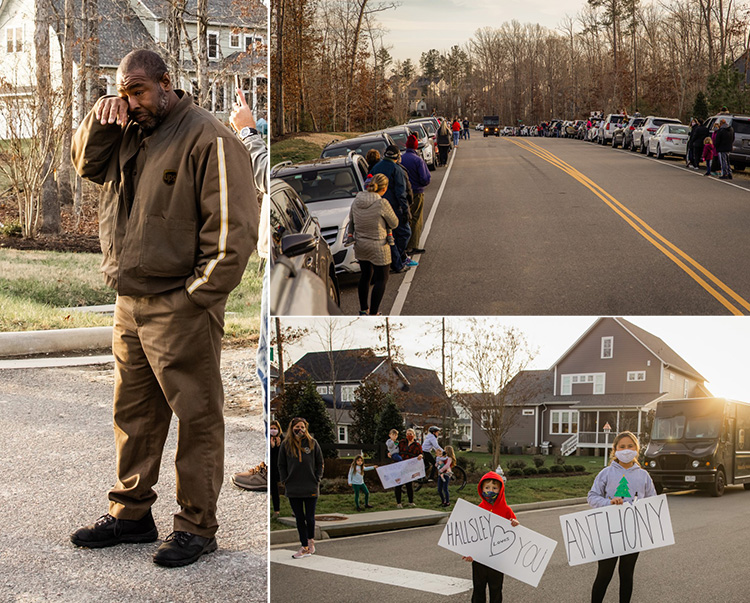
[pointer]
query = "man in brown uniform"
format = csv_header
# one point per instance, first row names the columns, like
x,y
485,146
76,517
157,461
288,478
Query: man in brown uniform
x,y
178,221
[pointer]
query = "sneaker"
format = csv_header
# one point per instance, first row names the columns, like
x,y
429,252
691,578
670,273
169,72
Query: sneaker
x,y
399,506
411,505
253,479
368,506
364,312
311,546
412,262
183,548
417,250
109,531
303,552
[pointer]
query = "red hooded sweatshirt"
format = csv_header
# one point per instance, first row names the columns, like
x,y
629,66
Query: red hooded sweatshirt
x,y
500,507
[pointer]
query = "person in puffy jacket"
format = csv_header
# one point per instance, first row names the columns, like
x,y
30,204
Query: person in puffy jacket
x,y
491,490
624,480
724,141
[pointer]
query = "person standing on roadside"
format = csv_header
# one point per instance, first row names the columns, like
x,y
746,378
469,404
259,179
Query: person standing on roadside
x,y
372,158
243,122
698,134
456,131
419,177
178,220
723,142
467,128
301,469
444,142
396,194
408,448
370,219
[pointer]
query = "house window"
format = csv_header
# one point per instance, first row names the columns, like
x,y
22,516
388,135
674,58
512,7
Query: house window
x,y
563,422
685,389
636,375
528,412
347,393
218,97
250,42
343,434
213,45
607,343
234,40
324,389
14,37
567,381
671,376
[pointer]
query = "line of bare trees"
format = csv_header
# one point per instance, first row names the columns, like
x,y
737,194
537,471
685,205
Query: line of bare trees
x,y
333,71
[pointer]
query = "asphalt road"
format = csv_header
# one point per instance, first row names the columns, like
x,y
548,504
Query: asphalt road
x,y
542,226
707,563
56,465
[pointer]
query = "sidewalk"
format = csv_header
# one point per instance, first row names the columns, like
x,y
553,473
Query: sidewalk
x,y
380,521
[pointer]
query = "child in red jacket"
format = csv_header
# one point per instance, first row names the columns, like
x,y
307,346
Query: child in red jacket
x,y
709,152
491,489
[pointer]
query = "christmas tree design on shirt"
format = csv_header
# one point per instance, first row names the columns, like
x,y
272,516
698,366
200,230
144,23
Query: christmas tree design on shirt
x,y
623,490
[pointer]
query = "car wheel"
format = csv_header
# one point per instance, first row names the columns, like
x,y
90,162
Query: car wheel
x,y
333,289
746,486
658,151
643,147
658,487
648,150
614,143
717,488
739,167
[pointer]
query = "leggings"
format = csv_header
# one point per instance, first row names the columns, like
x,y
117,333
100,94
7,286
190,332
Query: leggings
x,y
379,277
482,577
275,499
604,575
409,492
304,513
361,488
443,481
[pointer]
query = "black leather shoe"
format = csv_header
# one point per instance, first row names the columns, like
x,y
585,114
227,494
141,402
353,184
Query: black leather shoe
x,y
109,531
183,548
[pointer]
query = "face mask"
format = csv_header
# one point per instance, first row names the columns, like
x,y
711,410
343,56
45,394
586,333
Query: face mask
x,y
299,432
490,497
273,432
626,456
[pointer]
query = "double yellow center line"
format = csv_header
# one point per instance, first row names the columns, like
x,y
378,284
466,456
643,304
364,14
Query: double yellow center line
x,y
720,291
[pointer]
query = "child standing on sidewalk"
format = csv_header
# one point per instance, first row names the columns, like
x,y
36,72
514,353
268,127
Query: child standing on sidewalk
x,y
709,152
492,490
445,463
623,480
392,445
357,480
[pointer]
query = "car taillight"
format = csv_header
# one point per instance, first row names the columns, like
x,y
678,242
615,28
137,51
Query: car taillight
x,y
632,128
607,128
675,139
652,130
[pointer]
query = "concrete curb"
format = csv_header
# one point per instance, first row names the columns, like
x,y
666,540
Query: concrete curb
x,y
55,341
279,537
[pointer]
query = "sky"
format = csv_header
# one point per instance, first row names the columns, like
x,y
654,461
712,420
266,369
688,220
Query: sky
x,y
416,26
717,347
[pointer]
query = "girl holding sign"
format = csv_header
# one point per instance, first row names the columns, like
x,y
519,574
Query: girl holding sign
x,y
622,482
357,480
409,449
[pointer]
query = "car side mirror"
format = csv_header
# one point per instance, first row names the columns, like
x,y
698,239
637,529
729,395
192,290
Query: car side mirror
x,y
296,244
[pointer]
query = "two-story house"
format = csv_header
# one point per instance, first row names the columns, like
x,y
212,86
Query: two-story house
x,y
337,375
610,377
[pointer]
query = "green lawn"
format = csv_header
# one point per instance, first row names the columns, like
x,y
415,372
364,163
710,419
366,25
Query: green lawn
x,y
518,490
36,285
295,148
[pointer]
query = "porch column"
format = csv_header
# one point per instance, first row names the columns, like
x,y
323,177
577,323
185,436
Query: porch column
x,y
640,415
597,426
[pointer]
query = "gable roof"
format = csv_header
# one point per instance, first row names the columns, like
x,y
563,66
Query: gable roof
x,y
651,342
425,394
351,366
229,12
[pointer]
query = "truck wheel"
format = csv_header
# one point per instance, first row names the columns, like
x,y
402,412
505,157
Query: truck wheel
x,y
717,488
746,486
659,488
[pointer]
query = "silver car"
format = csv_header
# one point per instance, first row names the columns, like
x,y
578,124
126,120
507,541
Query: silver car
x,y
669,139
646,129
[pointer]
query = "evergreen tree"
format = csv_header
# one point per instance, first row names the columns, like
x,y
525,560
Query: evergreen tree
x,y
725,89
623,489
390,418
369,401
700,107
287,408
311,407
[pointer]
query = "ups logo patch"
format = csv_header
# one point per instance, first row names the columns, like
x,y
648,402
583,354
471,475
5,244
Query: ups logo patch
x,y
170,177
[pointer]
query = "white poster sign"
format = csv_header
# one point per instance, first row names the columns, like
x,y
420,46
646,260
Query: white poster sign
x,y
403,472
490,540
616,530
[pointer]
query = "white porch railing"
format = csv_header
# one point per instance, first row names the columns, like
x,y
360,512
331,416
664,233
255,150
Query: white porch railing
x,y
596,439
569,446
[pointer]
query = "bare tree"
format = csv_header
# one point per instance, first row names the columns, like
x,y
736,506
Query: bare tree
x,y
493,356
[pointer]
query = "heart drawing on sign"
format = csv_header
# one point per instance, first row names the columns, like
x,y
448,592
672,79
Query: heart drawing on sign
x,y
501,540
397,480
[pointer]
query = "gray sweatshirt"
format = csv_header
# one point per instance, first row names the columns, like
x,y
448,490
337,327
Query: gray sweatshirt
x,y
301,478
609,484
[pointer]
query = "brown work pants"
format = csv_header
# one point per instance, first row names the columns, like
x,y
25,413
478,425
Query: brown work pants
x,y
167,359
416,220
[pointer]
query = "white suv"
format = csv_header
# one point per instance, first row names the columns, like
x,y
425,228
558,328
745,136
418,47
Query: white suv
x,y
607,127
643,133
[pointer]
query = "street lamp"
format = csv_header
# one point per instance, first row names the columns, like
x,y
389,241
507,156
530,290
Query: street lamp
x,y
606,429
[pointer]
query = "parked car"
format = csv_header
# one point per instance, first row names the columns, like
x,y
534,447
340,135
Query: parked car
x,y
669,139
607,127
479,127
399,134
328,187
427,145
290,219
623,135
360,145
432,119
740,154
643,132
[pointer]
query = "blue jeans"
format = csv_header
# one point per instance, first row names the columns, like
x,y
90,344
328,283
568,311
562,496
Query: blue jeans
x,y
455,138
442,484
467,133
261,358
724,161
401,236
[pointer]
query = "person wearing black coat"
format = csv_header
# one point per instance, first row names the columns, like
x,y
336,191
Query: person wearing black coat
x,y
723,143
275,437
698,134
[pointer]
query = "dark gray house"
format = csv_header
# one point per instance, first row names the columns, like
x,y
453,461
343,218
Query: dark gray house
x,y
612,375
418,391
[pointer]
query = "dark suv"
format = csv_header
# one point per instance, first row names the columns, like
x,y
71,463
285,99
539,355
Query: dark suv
x,y
623,134
328,187
290,219
740,155
360,145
